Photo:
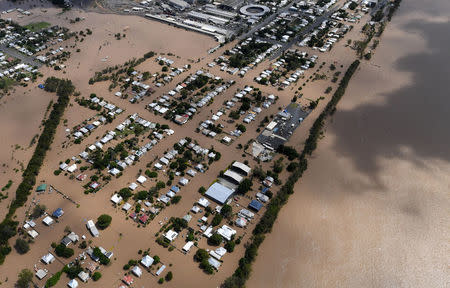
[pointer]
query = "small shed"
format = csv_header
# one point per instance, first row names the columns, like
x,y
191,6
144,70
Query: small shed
x,y
41,188
40,274
160,270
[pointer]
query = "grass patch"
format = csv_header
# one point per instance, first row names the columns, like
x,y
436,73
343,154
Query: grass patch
x,y
6,83
37,26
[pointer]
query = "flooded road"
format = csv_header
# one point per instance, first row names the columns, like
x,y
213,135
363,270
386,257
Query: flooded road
x,y
372,210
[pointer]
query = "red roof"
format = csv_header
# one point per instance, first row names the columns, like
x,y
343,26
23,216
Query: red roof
x,y
127,279
143,218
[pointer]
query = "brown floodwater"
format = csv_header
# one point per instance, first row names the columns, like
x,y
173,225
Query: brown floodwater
x,y
373,209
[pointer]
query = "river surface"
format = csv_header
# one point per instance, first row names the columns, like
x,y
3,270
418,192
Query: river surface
x,y
373,208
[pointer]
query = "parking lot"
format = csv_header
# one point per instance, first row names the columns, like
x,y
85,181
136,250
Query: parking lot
x,y
283,126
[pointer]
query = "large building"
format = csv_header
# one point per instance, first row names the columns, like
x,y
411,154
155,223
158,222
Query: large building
x,y
230,4
219,193
241,168
232,177
178,4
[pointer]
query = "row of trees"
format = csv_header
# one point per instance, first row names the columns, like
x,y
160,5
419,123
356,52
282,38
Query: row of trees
x,y
242,273
63,88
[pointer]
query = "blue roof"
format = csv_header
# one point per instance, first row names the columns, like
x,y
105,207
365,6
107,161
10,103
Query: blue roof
x,y
264,190
58,213
256,205
90,126
175,188
219,193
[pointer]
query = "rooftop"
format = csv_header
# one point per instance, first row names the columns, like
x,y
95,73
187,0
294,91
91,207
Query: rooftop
x,y
219,193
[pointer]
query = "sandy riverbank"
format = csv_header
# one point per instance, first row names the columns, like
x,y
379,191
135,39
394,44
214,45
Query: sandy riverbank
x,y
372,208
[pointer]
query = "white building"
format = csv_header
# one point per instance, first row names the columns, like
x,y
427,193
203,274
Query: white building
x,y
171,235
147,261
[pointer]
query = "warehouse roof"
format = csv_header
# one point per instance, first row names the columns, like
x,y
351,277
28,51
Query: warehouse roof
x,y
219,193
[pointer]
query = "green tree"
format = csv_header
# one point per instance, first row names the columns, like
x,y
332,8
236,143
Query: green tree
x,y
25,278
38,210
215,240
63,251
202,190
216,220
244,186
169,276
96,276
103,221
201,255
125,193
230,246
226,211
21,246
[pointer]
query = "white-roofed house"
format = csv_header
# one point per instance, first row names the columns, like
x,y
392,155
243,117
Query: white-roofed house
x,y
73,283
171,235
48,258
126,206
48,220
137,271
141,179
188,246
116,199
203,202
147,261
226,232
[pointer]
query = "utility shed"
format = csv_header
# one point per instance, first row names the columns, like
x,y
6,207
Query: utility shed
x,y
219,193
41,188
160,270
40,274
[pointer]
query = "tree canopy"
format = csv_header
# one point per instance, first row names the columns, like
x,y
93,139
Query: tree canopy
x,y
103,221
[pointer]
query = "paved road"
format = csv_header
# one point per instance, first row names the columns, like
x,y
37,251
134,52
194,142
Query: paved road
x,y
30,60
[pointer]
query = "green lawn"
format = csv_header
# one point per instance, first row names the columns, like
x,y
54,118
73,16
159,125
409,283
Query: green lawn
x,y
6,83
36,26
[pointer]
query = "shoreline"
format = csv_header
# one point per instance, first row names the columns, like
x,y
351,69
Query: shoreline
x,y
370,223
